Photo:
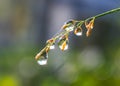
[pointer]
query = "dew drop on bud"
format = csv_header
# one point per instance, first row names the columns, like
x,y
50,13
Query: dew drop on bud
x,y
70,28
52,43
78,31
66,45
69,25
43,59
63,45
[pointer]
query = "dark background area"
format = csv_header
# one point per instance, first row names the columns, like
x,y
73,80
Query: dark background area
x,y
25,25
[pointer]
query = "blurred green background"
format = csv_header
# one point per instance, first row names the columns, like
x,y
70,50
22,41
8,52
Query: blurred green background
x,y
25,25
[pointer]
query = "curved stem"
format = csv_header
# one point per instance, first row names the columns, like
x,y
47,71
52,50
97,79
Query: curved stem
x,y
105,13
58,35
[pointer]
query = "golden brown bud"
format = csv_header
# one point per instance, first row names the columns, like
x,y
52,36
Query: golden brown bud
x,y
90,24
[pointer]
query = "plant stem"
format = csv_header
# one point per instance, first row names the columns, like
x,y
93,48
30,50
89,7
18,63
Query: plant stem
x,y
59,34
105,13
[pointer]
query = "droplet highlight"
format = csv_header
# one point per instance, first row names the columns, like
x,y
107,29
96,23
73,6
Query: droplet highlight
x,y
70,28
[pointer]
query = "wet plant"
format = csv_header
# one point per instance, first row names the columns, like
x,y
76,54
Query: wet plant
x,y
62,36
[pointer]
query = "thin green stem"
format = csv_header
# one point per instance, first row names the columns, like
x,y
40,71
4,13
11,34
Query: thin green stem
x,y
105,13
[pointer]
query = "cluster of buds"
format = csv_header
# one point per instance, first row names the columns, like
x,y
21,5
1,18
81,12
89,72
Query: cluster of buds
x,y
63,40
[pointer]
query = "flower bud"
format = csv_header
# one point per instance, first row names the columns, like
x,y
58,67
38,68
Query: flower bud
x,y
89,26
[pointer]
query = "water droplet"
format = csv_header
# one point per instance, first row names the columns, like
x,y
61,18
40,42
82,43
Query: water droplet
x,y
70,28
65,47
43,59
69,25
52,46
63,44
78,31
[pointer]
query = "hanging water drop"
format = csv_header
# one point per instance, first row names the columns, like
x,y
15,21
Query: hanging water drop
x,y
69,25
78,31
43,59
63,44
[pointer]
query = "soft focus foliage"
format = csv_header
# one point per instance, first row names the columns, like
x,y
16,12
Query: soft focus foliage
x,y
25,25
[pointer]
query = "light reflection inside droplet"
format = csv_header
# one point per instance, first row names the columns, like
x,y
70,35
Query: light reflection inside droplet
x,y
52,46
78,33
71,28
42,62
